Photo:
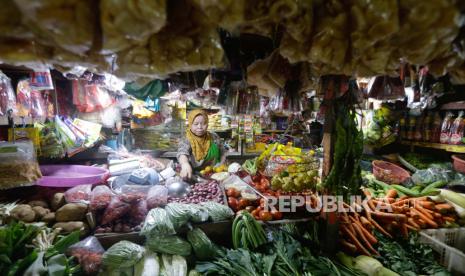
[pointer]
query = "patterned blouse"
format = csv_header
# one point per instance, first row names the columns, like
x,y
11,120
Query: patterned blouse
x,y
184,148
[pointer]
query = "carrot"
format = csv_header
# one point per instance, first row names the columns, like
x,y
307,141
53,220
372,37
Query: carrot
x,y
411,227
366,223
436,215
428,221
390,200
364,239
366,192
424,212
449,219
390,216
349,246
412,222
401,202
356,242
422,223
379,228
388,207
403,197
422,198
444,208
367,209
426,204
371,205
392,193
367,234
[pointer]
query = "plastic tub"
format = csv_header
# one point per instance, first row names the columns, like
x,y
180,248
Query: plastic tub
x,y
389,172
459,163
71,175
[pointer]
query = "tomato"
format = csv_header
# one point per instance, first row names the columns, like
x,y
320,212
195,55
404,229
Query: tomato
x,y
243,203
255,212
262,203
277,214
265,216
265,183
250,209
232,202
256,178
231,192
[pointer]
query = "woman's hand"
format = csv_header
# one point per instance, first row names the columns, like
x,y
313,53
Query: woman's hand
x,y
186,170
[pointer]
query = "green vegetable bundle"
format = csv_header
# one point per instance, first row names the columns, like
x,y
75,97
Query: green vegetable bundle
x,y
122,255
247,232
345,175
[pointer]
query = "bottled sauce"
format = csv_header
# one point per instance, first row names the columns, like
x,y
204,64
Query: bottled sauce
x,y
456,130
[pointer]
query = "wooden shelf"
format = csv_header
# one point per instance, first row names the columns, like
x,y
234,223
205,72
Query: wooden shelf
x,y
446,147
453,106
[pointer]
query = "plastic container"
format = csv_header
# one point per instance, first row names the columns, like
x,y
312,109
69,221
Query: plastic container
x,y
449,243
459,163
71,175
389,172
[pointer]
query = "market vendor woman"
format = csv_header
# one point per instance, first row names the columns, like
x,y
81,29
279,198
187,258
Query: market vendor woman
x,y
200,148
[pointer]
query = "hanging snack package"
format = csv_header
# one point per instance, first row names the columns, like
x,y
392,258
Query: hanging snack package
x,y
445,128
41,79
100,198
7,96
77,194
89,253
23,95
38,108
18,164
157,196
456,130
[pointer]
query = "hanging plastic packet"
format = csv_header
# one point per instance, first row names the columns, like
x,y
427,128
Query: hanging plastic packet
x,y
445,129
456,130
38,108
7,96
23,95
41,79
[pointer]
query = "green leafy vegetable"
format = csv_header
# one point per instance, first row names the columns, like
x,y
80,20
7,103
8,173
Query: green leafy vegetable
x,y
123,254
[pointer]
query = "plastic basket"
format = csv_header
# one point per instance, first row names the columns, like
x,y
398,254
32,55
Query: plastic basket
x,y
450,245
389,173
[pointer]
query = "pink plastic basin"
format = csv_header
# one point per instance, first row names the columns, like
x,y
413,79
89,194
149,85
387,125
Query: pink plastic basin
x,y
71,175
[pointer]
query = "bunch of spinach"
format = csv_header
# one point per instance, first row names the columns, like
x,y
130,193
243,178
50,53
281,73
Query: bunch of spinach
x,y
408,257
31,250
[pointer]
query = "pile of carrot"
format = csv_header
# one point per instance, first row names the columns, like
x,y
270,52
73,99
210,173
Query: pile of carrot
x,y
389,215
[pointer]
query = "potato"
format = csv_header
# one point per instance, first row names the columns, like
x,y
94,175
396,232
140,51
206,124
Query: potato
x,y
71,212
23,212
58,201
40,211
50,217
40,203
68,227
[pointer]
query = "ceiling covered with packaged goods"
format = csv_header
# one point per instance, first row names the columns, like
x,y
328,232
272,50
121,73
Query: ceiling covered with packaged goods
x,y
156,38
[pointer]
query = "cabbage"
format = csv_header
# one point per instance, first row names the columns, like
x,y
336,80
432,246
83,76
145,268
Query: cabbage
x,y
198,213
217,211
203,247
178,213
148,266
123,254
157,222
173,245
173,265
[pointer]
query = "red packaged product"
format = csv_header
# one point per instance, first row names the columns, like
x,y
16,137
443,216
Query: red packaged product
x,y
157,196
456,130
80,193
134,193
445,129
89,253
100,198
138,212
115,210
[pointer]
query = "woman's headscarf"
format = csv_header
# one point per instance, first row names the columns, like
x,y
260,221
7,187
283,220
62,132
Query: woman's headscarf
x,y
199,144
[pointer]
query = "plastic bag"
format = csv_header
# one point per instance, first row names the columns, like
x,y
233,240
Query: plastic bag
x,y
157,196
18,164
133,193
38,108
179,213
23,95
90,97
386,88
89,253
198,213
100,198
157,222
138,212
80,193
7,96
217,211
173,245
115,210
41,79
428,176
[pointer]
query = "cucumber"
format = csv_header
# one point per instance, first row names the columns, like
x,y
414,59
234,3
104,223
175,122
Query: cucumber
x,y
434,185
405,190
406,164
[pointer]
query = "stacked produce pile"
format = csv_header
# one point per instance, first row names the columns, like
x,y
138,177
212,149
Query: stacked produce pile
x,y
157,38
